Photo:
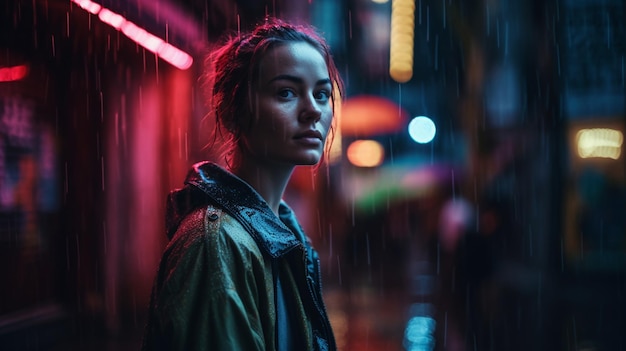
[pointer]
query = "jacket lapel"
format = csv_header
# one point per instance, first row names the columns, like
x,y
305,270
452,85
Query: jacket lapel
x,y
271,234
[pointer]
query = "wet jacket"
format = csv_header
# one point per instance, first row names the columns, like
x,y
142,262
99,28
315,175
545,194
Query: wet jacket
x,y
234,276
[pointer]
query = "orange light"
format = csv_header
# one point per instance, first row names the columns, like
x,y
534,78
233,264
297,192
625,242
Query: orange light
x,y
10,74
366,115
401,40
365,153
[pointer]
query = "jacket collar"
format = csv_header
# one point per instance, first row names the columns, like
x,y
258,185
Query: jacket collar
x,y
241,201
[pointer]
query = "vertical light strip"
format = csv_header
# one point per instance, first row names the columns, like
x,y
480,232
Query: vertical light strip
x,y
401,41
166,51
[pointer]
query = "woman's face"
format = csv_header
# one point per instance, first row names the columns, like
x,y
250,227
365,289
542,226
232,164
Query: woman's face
x,y
291,106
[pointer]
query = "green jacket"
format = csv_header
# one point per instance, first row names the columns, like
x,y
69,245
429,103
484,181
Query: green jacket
x,y
234,276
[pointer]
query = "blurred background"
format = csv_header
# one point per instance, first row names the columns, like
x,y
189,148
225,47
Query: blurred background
x,y
475,198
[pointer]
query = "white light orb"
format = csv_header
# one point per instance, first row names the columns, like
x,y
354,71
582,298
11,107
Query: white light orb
x,y
422,129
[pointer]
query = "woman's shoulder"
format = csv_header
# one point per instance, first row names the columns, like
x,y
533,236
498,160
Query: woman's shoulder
x,y
211,225
204,252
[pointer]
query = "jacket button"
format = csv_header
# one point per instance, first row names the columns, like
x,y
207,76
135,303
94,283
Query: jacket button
x,y
213,217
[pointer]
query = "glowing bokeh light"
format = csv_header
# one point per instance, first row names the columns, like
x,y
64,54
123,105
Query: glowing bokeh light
x,y
422,129
366,115
365,153
599,142
11,74
401,40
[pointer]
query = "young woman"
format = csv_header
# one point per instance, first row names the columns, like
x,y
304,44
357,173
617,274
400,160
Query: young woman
x,y
239,273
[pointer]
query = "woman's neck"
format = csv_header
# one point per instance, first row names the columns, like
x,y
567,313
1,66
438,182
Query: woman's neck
x,y
269,181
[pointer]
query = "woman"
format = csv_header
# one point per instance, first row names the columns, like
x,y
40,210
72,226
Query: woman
x,y
239,273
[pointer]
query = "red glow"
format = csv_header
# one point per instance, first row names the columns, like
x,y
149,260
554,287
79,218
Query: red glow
x,y
10,74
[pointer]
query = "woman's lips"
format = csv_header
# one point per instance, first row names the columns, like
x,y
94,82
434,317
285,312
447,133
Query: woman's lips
x,y
313,134
311,137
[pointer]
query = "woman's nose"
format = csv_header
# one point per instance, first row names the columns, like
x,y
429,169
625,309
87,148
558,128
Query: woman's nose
x,y
311,109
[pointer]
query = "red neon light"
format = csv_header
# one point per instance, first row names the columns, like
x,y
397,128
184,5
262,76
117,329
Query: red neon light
x,y
175,56
142,37
10,74
111,18
149,41
89,6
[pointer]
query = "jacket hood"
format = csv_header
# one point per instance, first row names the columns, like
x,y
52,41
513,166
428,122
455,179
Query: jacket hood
x,y
208,183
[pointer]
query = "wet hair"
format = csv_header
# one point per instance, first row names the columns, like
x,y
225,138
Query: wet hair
x,y
232,68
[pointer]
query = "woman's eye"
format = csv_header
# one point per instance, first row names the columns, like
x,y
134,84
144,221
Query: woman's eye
x,y
286,93
322,95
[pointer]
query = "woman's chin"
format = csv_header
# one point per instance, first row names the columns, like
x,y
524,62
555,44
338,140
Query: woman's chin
x,y
310,160
309,163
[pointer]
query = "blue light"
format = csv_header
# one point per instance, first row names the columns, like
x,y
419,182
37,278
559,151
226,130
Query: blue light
x,y
422,129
